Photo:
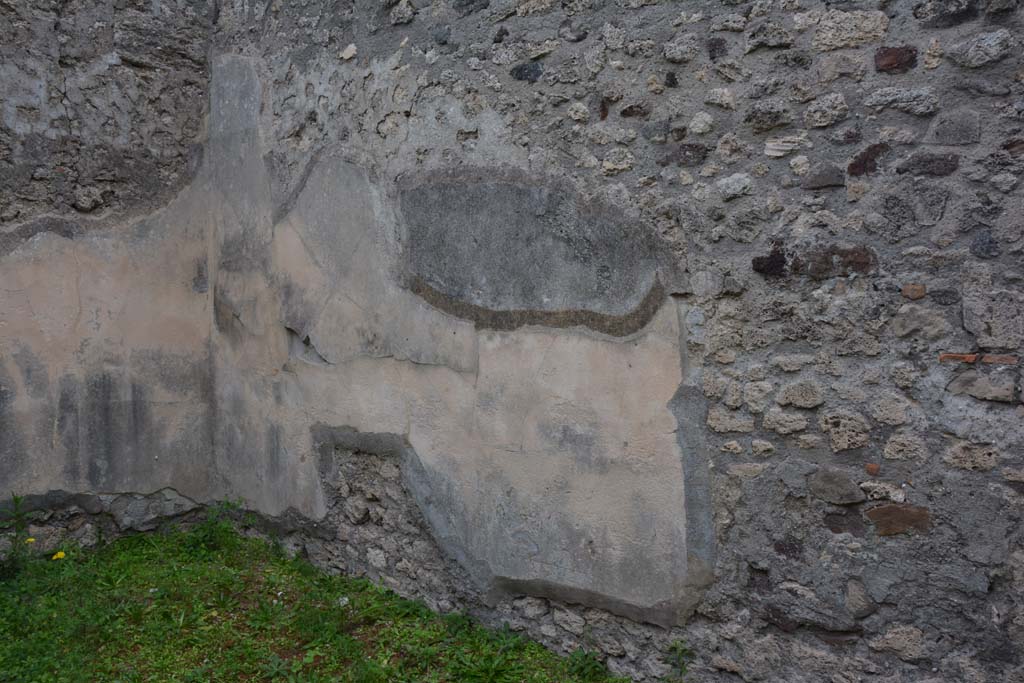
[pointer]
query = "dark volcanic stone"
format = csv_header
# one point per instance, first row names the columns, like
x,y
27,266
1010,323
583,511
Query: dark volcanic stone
x,y
772,264
866,162
717,47
945,297
834,486
527,71
895,60
670,80
890,520
847,522
824,176
834,260
985,246
929,163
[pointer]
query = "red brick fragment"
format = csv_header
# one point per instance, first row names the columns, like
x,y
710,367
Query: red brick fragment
x,y
890,520
872,468
958,357
998,359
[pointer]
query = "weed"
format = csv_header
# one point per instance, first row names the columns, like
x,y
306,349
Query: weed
x,y
586,666
679,658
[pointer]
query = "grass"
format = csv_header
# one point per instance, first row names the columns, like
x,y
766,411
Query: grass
x,y
208,605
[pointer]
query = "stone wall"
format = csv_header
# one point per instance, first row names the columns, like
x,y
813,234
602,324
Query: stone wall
x,y
624,322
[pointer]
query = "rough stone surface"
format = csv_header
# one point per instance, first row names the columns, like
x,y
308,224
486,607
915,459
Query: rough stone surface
x,y
617,322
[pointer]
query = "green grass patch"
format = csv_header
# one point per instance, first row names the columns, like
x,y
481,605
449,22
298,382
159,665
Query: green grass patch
x,y
208,605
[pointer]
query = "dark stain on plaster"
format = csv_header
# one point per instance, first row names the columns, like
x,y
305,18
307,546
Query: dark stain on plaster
x,y
61,227
33,372
12,453
68,425
517,249
488,319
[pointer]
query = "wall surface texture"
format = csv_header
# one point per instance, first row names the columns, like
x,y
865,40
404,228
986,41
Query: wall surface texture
x,y
623,322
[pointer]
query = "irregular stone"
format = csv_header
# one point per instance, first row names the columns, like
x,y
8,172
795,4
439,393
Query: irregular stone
x,y
846,429
402,13
895,60
994,315
356,510
945,13
916,101
858,602
681,49
930,163
971,456
755,395
866,161
733,447
985,387
782,422
823,176
735,23
570,621
530,607
957,127
890,520
982,49
578,111
723,420
572,32
780,147
792,362
890,410
1004,182
834,67
921,322
826,111
767,34
701,123
721,97
734,186
762,448
905,445
765,115
832,485
903,640
802,394
838,29
377,558
617,161
883,490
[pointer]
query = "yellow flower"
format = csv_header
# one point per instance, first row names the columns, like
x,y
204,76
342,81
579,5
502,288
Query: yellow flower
x,y
30,540
59,555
